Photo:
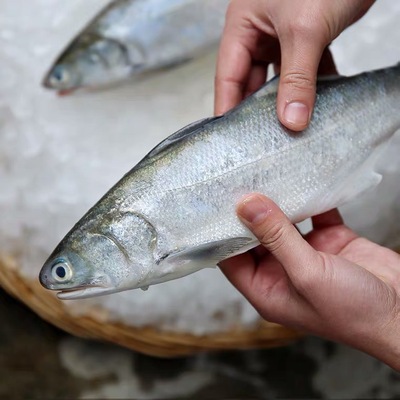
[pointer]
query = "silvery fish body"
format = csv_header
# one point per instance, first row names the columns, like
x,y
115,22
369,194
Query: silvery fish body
x,y
131,37
174,212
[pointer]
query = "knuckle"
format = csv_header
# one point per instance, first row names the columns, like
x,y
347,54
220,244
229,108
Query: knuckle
x,y
299,79
273,237
268,306
226,79
312,25
234,8
302,27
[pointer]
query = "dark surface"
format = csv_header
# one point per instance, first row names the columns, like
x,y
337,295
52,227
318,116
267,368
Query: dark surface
x,y
38,361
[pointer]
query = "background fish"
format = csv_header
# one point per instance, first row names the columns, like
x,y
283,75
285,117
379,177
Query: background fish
x,y
131,37
174,213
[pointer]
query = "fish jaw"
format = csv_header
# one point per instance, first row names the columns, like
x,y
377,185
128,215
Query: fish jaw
x,y
85,292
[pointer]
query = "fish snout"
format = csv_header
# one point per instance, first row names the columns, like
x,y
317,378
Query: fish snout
x,y
62,78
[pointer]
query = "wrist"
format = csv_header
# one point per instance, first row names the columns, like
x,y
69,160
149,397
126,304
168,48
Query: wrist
x,y
384,344
390,348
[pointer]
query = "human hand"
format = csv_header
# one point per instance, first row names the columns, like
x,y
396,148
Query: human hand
x,y
331,283
286,33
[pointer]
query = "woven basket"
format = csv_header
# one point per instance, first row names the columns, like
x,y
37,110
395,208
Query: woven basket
x,y
149,340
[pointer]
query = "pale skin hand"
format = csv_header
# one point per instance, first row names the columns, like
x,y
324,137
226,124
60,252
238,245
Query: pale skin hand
x,y
331,282
292,35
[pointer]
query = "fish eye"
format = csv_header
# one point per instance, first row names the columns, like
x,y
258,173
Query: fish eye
x,y
61,272
59,75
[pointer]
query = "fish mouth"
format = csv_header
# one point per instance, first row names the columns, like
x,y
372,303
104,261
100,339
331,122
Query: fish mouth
x,y
46,83
61,90
84,292
66,92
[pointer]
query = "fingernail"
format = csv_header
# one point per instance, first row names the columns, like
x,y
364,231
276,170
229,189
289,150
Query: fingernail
x,y
296,113
253,209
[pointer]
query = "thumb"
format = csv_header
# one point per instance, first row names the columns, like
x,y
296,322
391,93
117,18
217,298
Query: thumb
x,y
279,236
299,66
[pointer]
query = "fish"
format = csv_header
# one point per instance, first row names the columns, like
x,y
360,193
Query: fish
x,y
130,38
174,212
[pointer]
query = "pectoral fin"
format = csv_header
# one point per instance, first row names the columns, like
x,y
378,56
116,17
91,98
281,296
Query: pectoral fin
x,y
210,254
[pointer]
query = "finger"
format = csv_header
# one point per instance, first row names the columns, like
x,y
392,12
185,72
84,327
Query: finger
x,y
234,62
327,220
327,64
277,68
233,68
258,253
278,235
256,79
267,52
296,94
329,233
365,6
240,271
266,287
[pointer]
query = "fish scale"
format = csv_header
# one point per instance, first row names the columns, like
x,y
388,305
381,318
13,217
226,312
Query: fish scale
x,y
174,213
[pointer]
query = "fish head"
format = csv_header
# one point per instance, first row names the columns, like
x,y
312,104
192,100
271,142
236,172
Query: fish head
x,y
91,61
113,256
63,76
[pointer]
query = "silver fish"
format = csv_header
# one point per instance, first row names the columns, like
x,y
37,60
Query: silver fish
x,y
174,212
131,37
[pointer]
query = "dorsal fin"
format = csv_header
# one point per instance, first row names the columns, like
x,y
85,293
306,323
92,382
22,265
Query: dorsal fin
x,y
186,131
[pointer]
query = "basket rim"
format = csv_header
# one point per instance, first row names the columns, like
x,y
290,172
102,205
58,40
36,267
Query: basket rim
x,y
149,340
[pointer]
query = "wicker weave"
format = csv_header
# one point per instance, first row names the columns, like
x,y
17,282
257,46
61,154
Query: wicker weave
x,y
150,341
